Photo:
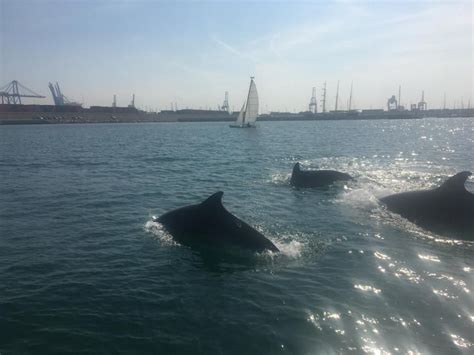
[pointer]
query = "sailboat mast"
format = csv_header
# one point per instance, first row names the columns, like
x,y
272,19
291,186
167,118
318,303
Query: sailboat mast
x,y
350,99
248,96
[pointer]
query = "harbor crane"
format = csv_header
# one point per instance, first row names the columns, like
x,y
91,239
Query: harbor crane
x,y
392,103
225,105
11,93
59,98
422,105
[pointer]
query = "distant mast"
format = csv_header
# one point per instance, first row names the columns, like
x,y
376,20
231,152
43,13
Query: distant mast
x,y
132,103
313,106
399,97
251,109
324,97
337,96
350,98
248,97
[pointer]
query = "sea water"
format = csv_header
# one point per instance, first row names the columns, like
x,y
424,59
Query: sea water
x,y
84,269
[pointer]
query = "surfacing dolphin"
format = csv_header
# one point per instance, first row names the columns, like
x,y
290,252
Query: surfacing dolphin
x,y
446,209
210,223
316,178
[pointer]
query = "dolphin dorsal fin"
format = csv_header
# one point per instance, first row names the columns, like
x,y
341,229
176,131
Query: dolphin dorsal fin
x,y
214,200
297,167
456,182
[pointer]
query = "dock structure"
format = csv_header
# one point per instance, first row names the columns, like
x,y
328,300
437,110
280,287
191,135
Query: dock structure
x,y
14,111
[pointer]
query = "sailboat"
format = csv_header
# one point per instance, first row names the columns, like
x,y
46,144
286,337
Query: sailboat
x,y
249,112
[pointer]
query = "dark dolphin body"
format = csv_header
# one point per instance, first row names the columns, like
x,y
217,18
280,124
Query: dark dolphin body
x,y
446,209
316,178
210,223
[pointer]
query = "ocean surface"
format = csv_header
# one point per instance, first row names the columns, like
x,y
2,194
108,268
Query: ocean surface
x,y
83,269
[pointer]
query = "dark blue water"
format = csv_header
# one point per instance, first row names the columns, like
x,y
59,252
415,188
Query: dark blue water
x,y
83,268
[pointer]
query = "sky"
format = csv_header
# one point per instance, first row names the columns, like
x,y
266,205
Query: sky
x,y
191,52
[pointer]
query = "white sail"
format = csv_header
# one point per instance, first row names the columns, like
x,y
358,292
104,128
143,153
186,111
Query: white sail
x,y
240,119
251,111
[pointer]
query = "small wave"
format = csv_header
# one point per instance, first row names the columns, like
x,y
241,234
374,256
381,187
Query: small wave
x,y
431,236
401,223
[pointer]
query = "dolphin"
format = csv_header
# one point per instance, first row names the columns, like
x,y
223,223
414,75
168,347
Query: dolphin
x,y
316,178
210,223
448,208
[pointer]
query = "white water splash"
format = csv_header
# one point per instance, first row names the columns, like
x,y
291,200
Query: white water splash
x,y
280,178
364,197
291,249
158,231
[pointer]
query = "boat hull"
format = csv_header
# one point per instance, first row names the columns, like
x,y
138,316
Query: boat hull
x,y
242,126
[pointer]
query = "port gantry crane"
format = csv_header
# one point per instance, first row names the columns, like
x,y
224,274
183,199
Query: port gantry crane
x,y
225,105
59,98
422,105
11,94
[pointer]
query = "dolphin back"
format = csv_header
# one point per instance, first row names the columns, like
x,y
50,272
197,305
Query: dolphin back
x,y
448,209
456,183
316,178
210,223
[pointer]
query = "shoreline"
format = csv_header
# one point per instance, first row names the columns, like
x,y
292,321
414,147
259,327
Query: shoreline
x,y
84,117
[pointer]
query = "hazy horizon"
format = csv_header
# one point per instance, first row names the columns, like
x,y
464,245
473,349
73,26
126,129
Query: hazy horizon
x,y
192,52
